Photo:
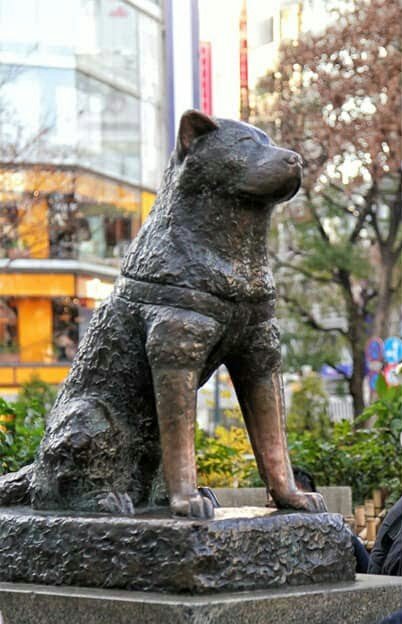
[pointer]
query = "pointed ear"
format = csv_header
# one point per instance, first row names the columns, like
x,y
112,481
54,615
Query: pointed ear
x,y
192,125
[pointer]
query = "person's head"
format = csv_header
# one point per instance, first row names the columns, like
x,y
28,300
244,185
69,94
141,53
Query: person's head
x,y
304,480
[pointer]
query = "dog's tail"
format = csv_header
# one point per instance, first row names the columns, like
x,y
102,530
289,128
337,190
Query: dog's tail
x,y
15,487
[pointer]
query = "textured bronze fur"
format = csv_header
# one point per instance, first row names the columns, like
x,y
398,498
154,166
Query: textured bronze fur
x,y
195,291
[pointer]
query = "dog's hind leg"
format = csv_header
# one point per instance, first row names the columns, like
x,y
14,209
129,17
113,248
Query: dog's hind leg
x,y
255,373
178,345
14,487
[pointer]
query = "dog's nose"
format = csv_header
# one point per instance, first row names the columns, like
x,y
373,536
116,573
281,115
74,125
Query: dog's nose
x,y
294,159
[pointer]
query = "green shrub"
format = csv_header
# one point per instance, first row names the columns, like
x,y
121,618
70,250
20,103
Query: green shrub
x,y
22,424
365,459
309,409
226,459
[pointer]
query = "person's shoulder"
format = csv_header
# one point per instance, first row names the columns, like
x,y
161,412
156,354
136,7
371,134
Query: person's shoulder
x,y
393,618
394,514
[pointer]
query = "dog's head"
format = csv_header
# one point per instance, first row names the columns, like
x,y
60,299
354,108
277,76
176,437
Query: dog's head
x,y
234,158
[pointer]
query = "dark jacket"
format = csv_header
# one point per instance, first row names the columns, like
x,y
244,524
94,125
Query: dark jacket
x,y
386,556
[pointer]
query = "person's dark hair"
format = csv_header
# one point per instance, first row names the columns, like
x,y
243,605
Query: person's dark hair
x,y
304,479
393,618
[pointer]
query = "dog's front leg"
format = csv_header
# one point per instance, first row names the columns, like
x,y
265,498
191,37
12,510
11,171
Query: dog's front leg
x,y
255,372
262,406
175,392
178,344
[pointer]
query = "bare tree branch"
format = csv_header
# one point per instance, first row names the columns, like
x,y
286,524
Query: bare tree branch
x,y
303,271
397,286
361,219
319,224
309,318
398,250
374,223
331,200
344,280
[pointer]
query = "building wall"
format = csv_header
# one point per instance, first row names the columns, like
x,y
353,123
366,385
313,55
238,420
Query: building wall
x,y
268,23
40,269
219,25
182,79
83,121
272,23
89,76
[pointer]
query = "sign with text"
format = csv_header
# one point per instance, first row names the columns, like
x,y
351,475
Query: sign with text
x,y
393,350
206,77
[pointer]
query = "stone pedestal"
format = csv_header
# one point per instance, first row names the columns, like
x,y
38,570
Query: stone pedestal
x,y
365,601
241,549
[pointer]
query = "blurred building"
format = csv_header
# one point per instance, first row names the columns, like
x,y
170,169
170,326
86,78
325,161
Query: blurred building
x,y
231,30
220,36
83,141
265,25
182,61
269,24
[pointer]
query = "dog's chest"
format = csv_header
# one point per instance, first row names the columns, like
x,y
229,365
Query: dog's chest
x,y
224,256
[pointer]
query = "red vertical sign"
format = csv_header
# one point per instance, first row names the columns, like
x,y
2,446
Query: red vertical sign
x,y
244,101
205,77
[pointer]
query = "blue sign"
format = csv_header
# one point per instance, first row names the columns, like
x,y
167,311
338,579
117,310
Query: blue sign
x,y
393,350
375,349
329,372
372,377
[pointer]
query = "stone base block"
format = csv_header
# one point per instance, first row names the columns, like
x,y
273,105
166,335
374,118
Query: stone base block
x,y
241,549
365,601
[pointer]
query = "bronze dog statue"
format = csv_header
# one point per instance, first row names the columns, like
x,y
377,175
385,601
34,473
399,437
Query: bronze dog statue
x,y
195,291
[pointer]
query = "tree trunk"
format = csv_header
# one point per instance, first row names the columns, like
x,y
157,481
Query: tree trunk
x,y
356,335
357,378
384,300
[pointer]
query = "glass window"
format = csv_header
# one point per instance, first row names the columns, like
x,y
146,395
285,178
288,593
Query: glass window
x,y
19,110
108,39
53,114
108,129
153,148
8,230
65,329
150,39
107,237
37,113
290,22
29,27
71,317
87,231
266,31
9,351
65,227
16,25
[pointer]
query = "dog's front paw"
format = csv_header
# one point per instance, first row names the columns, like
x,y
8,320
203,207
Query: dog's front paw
x,y
193,506
117,502
313,501
302,501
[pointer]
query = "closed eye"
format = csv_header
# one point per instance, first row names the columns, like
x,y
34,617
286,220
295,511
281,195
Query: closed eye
x,y
247,138
250,138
